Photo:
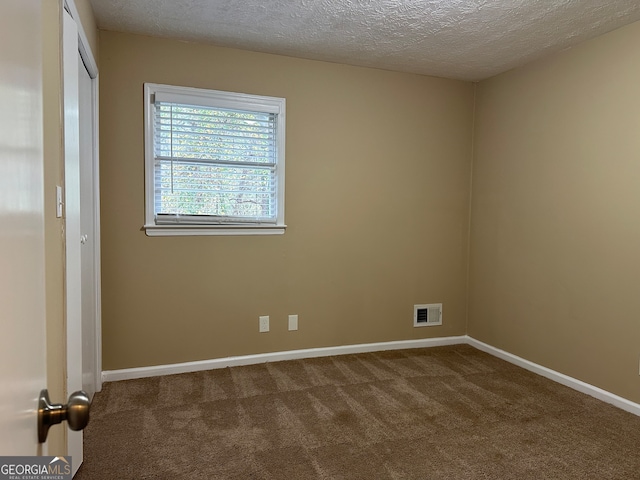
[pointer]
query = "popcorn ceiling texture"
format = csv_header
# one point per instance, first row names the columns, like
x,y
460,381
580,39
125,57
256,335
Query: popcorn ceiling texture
x,y
460,39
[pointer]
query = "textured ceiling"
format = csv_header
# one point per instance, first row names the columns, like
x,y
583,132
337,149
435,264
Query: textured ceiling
x,y
462,39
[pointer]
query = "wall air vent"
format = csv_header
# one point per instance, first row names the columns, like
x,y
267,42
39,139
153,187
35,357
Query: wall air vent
x,y
427,315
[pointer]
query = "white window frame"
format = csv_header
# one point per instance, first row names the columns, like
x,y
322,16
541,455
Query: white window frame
x,y
218,99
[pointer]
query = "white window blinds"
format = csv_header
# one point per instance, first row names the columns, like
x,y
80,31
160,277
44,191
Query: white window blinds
x,y
214,165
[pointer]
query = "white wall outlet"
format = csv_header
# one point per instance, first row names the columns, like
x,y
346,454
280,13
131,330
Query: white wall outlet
x,y
293,322
264,323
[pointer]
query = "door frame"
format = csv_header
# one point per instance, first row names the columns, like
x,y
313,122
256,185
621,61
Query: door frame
x,y
75,42
88,58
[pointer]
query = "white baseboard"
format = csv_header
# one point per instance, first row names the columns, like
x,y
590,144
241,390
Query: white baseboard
x,y
561,378
154,371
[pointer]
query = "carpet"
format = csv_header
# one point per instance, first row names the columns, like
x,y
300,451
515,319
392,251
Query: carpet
x,y
435,413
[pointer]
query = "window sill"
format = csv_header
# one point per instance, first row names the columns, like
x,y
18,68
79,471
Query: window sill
x,y
204,230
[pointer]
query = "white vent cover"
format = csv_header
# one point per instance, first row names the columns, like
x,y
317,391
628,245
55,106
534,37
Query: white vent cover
x,y
427,315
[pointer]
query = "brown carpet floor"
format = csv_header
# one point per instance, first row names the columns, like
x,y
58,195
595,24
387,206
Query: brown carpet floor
x,y
438,413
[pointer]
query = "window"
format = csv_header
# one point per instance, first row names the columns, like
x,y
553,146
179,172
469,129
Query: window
x,y
214,162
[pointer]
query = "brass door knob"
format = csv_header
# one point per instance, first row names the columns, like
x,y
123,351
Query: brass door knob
x,y
75,412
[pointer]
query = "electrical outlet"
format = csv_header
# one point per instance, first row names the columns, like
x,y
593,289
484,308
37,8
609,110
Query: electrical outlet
x,y
264,323
293,322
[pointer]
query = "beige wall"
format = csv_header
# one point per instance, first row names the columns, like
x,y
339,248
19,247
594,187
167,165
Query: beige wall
x,y
377,195
88,20
54,227
555,268
54,244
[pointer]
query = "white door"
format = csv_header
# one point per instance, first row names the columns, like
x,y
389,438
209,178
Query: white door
x,y
22,287
81,224
89,266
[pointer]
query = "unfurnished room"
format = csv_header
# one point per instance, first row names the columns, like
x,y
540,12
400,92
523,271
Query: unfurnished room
x,y
381,239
